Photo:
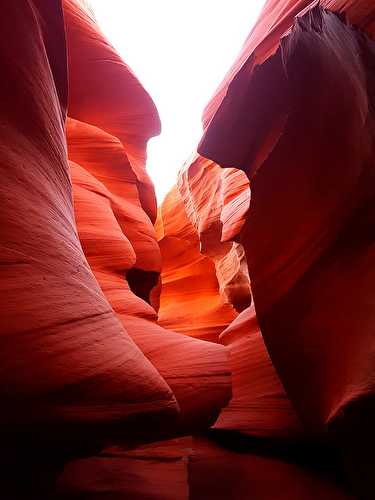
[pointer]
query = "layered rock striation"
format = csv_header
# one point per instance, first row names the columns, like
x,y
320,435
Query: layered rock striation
x,y
220,347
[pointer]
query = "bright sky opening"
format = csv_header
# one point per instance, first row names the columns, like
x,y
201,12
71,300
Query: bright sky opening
x,y
180,50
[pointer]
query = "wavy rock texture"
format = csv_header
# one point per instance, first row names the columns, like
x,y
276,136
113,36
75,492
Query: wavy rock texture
x,y
218,214
297,116
66,360
191,367
190,300
104,92
205,281
259,406
94,373
72,369
120,244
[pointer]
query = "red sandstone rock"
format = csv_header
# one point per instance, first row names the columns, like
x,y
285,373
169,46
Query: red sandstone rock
x,y
276,18
190,300
154,472
105,160
192,468
311,240
297,117
66,361
216,202
120,244
197,220
83,356
104,92
259,406
196,371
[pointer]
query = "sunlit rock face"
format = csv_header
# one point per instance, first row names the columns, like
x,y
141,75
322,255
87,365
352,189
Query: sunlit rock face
x,y
222,347
190,300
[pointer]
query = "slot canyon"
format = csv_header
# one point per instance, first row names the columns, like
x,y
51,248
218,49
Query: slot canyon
x,y
220,345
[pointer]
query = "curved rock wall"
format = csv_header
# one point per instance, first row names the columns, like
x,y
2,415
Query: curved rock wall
x,y
296,115
225,352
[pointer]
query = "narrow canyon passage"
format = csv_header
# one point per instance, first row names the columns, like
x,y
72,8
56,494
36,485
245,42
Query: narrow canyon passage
x,y
219,344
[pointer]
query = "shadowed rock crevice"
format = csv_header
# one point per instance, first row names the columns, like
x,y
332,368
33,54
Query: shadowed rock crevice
x,y
142,283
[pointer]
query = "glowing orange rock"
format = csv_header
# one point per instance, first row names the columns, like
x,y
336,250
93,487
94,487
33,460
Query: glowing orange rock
x,y
216,202
259,405
196,371
190,300
118,237
82,354
204,273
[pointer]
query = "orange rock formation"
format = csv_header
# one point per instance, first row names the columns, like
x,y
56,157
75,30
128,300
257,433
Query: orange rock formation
x,y
222,349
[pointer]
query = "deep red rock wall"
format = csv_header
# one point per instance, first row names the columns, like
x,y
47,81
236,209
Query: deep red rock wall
x,y
119,240
296,115
226,351
53,312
